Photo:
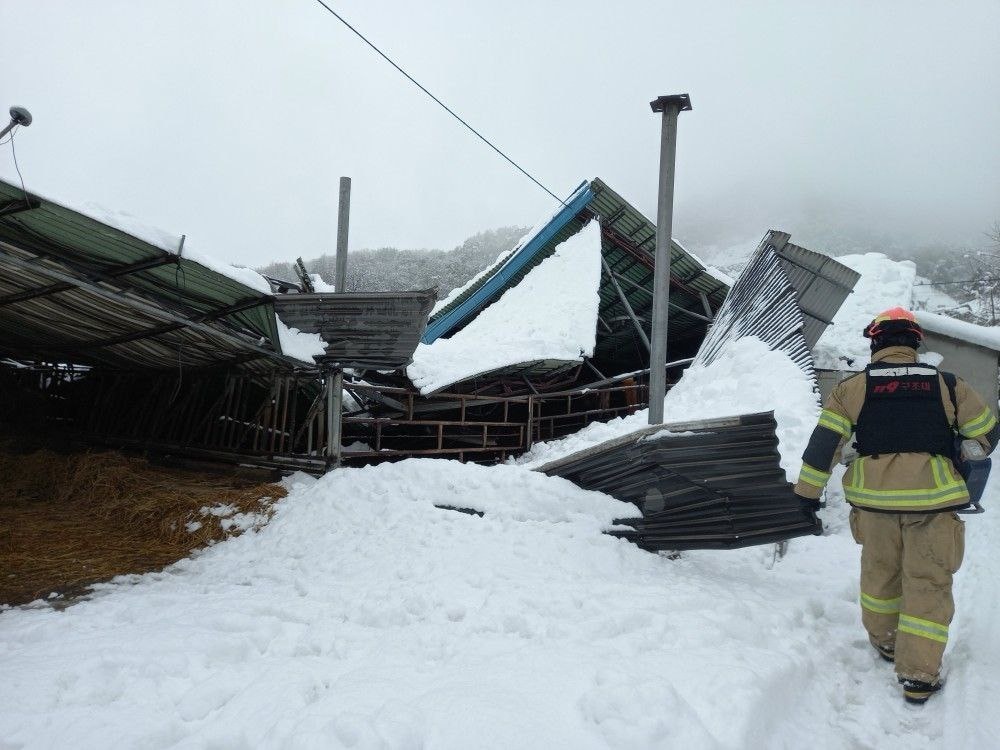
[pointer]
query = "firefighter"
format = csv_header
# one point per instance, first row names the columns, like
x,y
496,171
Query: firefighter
x,y
903,489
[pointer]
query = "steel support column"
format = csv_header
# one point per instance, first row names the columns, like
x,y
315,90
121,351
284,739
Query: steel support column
x,y
670,107
343,219
334,417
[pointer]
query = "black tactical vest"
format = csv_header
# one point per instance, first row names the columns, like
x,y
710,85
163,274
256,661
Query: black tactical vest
x,y
903,411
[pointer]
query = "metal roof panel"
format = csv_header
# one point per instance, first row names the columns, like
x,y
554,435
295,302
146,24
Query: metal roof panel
x,y
377,331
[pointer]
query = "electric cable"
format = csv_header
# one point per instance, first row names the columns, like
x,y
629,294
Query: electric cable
x,y
444,106
13,152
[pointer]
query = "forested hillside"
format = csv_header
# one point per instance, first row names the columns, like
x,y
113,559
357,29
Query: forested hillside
x,y
970,275
392,269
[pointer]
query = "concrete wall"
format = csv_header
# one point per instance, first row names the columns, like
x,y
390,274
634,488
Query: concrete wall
x,y
979,366
828,379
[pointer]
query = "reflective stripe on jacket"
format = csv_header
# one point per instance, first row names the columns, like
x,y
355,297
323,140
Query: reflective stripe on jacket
x,y
894,482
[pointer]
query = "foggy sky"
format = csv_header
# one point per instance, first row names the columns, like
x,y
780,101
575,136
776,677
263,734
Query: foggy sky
x,y
232,120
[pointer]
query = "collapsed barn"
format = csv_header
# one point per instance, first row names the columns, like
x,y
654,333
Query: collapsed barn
x,y
111,337
116,335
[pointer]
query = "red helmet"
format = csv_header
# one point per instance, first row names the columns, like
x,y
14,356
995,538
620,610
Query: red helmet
x,y
895,320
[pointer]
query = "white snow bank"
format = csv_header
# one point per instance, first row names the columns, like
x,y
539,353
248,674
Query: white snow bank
x,y
988,336
362,616
550,314
298,344
747,377
884,283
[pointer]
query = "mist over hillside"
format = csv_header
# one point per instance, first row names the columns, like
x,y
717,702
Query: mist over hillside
x,y
388,269
966,267
968,271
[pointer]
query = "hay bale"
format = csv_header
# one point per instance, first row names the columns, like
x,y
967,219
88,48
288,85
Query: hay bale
x,y
68,521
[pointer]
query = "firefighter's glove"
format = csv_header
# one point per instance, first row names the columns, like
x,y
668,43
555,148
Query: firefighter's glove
x,y
809,504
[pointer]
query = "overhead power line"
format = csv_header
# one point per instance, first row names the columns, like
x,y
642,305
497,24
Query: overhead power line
x,y
444,106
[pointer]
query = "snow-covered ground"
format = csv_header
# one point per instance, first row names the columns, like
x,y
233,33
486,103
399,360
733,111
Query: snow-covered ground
x,y
363,616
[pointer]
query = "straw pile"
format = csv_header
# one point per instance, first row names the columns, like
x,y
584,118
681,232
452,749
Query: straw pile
x,y
68,521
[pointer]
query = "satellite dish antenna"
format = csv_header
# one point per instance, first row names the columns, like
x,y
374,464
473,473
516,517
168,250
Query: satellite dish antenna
x,y
18,116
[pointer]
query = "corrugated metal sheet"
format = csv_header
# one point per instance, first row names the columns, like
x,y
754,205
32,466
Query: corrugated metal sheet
x,y
762,303
821,284
73,289
709,484
378,331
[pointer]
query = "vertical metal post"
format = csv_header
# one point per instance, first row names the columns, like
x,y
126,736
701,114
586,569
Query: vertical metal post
x,y
334,414
343,219
670,107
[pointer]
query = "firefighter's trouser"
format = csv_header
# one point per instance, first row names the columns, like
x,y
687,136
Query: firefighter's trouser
x,y
907,562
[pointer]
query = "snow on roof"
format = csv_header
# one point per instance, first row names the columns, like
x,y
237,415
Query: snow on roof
x,y
711,270
155,236
159,238
294,343
501,258
550,314
298,345
987,336
169,243
884,283
483,289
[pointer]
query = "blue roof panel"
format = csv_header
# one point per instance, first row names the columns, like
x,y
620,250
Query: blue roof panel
x,y
498,281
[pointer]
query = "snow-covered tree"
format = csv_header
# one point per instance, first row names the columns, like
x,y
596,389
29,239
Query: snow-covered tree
x,y
391,269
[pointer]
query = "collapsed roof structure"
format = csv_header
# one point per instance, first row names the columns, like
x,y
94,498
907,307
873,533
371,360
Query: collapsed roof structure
x,y
76,290
713,483
718,483
607,246
125,335
133,339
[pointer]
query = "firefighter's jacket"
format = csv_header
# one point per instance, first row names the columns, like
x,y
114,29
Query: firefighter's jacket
x,y
894,482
